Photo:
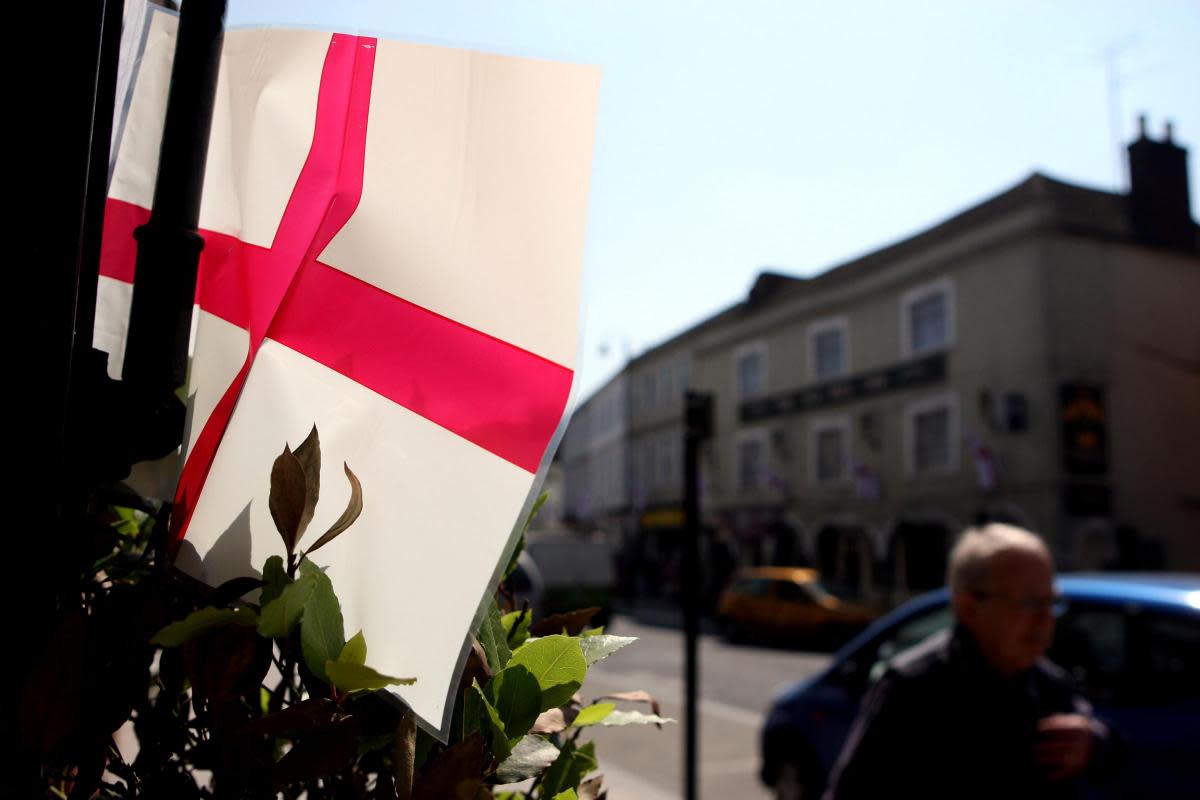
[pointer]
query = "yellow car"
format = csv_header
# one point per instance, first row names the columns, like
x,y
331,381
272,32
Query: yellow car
x,y
787,604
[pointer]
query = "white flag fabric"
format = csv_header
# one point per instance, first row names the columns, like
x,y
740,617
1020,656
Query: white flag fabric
x,y
393,245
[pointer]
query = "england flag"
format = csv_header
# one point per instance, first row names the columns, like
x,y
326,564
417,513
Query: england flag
x,y
393,246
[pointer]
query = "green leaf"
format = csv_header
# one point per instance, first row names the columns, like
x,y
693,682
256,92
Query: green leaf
x,y
516,627
619,719
517,697
287,498
594,631
558,665
568,769
355,651
354,507
308,454
493,639
351,677
537,506
593,714
200,622
529,757
599,647
276,579
128,521
520,546
493,726
322,636
569,794
282,614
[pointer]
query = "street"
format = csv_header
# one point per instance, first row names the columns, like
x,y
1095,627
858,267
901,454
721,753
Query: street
x,y
737,683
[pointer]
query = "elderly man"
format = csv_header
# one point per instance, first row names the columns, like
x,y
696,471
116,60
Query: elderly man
x,y
976,712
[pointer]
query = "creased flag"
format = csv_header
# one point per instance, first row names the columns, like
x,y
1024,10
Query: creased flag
x,y
393,243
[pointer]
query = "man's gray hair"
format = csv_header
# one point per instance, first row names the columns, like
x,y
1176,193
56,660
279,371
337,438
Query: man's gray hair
x,y
973,553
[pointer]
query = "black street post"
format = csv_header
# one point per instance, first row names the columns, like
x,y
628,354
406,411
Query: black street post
x,y
698,416
168,244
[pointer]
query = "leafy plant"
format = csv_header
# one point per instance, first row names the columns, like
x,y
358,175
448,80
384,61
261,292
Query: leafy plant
x,y
272,700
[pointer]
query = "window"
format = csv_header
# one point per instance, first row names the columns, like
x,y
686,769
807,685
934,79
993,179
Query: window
x,y
829,451
751,458
927,318
931,438
750,368
907,635
751,587
828,348
931,430
1172,659
1090,642
790,592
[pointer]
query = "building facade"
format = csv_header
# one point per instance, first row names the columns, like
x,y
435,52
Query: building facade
x,y
1035,358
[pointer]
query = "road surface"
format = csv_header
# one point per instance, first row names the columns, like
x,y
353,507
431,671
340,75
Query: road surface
x,y
737,683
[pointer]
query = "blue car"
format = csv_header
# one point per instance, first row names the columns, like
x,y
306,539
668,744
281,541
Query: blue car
x,y
1132,642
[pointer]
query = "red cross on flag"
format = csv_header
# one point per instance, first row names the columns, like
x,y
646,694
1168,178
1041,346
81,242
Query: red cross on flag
x,y
393,242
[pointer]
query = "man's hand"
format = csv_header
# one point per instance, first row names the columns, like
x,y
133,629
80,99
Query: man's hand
x,y
1064,744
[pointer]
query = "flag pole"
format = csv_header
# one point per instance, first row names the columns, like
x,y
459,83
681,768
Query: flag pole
x,y
168,244
698,416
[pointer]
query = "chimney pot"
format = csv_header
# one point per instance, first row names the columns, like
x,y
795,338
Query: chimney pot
x,y
1159,203
1141,126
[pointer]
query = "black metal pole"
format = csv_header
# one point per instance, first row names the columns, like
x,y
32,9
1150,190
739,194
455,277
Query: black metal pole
x,y
168,245
698,426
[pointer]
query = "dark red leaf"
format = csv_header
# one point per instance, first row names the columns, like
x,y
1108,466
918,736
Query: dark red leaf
x,y
458,772
289,491
573,622
317,755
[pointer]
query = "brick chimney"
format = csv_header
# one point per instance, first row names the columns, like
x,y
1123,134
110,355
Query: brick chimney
x,y
1159,205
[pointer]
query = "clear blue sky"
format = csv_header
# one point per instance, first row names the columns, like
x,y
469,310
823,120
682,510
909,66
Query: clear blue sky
x,y
744,134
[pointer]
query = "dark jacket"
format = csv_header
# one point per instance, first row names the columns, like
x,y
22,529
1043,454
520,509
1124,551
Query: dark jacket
x,y
942,723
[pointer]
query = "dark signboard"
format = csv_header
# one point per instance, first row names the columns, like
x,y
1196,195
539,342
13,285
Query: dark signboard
x,y
1083,419
867,384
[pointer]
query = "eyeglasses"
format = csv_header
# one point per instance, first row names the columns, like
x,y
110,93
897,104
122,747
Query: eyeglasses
x,y
1055,604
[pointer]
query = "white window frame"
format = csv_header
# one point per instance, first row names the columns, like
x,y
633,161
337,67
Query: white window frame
x,y
841,324
949,401
816,427
751,435
943,286
758,346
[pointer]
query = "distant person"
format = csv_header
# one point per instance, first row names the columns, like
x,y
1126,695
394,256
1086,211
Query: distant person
x,y
976,711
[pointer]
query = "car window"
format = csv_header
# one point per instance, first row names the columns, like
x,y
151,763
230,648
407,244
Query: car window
x,y
1091,643
792,592
752,587
1172,658
905,635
